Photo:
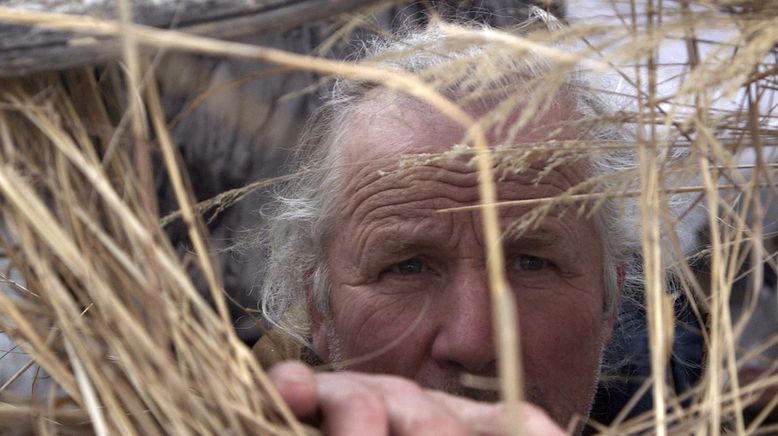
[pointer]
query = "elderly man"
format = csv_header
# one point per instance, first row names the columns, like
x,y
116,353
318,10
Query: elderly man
x,y
370,268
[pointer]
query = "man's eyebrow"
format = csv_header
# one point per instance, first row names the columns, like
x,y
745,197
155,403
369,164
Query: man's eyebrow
x,y
534,238
531,239
399,244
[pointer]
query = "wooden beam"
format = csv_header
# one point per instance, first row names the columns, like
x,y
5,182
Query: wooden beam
x,y
29,49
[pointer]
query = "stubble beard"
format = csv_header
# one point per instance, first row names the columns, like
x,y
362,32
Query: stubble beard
x,y
334,356
452,385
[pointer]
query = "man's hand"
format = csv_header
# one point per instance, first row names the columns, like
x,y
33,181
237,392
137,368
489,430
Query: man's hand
x,y
348,403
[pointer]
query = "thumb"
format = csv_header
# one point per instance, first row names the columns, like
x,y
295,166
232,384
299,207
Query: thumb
x,y
296,384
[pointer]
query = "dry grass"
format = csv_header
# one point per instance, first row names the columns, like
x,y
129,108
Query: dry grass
x,y
119,325
99,299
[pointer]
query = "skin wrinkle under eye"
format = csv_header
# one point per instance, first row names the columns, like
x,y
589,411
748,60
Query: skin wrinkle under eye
x,y
398,305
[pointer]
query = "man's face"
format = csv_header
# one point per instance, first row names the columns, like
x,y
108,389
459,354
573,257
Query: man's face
x,y
407,276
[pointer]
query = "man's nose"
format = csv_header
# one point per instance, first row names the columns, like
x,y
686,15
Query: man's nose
x,y
464,340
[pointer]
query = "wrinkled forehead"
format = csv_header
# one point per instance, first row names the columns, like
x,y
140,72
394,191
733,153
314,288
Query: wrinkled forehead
x,y
398,150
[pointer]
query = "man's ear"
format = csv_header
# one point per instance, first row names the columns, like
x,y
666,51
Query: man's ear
x,y
318,322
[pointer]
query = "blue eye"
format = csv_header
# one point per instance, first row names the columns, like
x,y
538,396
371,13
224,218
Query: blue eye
x,y
408,266
531,263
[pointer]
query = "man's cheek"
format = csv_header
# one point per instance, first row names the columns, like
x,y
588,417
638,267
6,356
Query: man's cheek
x,y
366,322
561,330
562,358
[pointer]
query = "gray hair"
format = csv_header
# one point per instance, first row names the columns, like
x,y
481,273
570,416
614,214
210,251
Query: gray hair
x,y
301,220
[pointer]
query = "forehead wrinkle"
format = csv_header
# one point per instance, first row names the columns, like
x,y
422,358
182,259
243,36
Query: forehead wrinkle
x,y
374,199
429,233
367,180
476,227
370,190
370,224
399,243
563,177
377,201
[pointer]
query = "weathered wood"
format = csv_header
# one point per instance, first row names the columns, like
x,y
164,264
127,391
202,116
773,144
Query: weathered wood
x,y
28,49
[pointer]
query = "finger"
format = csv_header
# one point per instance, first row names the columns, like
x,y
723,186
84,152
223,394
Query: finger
x,y
489,419
350,408
296,383
411,411
483,419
